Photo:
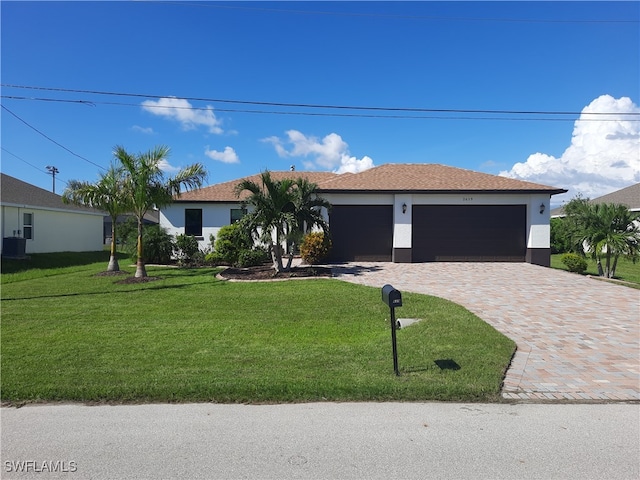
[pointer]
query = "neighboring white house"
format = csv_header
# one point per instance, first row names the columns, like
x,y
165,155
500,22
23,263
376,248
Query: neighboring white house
x,y
402,213
44,222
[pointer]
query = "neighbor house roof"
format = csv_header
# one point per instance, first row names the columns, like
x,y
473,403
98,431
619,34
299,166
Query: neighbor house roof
x,y
15,192
629,196
393,177
225,192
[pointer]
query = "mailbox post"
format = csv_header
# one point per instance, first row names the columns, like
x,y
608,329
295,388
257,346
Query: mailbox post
x,y
393,298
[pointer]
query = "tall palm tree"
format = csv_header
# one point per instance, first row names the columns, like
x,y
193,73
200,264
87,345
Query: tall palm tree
x,y
272,202
308,207
147,186
282,210
106,194
606,231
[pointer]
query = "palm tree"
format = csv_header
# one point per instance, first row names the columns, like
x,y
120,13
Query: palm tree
x,y
282,209
272,202
147,186
308,207
106,194
606,231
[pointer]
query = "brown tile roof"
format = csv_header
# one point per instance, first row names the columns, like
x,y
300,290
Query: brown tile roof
x,y
392,177
225,192
429,178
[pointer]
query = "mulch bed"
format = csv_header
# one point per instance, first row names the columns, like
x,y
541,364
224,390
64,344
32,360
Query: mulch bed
x,y
266,272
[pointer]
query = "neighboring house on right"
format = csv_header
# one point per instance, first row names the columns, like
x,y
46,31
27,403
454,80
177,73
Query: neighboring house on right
x,y
629,196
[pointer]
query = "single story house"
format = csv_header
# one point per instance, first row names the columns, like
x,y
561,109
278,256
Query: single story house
x,y
402,213
37,221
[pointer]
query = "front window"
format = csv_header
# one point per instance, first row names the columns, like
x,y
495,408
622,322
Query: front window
x,y
193,222
27,225
237,214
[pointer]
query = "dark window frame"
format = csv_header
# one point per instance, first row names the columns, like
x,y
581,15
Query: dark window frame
x,y
193,225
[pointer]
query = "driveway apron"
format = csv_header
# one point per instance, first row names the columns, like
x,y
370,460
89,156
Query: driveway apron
x,y
578,338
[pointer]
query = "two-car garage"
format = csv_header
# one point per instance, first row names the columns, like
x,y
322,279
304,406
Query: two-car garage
x,y
459,233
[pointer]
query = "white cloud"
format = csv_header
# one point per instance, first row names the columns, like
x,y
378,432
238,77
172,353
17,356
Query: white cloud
x,y
229,155
604,154
165,166
330,152
145,130
183,112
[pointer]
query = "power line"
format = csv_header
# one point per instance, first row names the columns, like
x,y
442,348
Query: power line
x,y
32,165
396,16
314,106
93,103
52,140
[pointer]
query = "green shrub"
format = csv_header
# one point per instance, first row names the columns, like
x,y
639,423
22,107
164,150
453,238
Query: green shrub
x,y
560,242
157,244
315,247
574,263
252,258
187,249
232,239
214,259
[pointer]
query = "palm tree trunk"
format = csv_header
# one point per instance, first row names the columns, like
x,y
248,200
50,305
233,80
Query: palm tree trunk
x,y
599,263
141,272
113,261
615,264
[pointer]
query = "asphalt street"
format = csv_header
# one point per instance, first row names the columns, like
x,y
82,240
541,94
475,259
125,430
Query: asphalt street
x,y
322,441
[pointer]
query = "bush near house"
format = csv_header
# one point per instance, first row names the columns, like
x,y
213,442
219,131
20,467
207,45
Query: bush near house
x,y
187,250
315,248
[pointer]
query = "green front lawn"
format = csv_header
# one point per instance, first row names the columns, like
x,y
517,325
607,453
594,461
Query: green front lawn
x,y
626,270
69,335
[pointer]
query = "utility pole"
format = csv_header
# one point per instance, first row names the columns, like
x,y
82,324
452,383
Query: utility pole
x,y
53,170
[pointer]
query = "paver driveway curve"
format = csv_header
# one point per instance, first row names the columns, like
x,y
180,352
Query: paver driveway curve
x,y
578,338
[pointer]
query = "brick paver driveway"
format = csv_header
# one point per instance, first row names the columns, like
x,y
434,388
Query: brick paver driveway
x,y
578,338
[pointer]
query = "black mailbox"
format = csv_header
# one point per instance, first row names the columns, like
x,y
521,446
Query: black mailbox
x,y
391,296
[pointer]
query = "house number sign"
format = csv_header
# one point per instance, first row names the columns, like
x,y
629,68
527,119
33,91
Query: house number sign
x,y
467,199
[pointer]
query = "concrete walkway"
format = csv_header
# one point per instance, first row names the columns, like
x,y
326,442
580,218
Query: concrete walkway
x,y
578,338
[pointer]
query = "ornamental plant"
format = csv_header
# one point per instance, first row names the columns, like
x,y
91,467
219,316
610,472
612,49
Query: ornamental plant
x,y
315,247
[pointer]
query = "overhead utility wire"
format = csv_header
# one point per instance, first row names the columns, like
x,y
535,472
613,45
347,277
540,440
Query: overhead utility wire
x,y
394,16
52,140
311,105
320,114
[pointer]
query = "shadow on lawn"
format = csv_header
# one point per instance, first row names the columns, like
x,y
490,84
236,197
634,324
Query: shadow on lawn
x,y
79,294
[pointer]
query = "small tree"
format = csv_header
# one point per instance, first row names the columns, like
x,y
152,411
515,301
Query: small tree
x,y
107,194
147,186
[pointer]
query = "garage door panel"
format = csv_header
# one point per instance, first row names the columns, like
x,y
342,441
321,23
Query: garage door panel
x,y
460,233
361,232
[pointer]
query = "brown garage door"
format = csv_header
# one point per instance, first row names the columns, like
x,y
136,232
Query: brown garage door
x,y
474,233
361,233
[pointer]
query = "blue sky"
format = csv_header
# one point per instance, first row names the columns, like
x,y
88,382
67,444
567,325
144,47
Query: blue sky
x,y
198,68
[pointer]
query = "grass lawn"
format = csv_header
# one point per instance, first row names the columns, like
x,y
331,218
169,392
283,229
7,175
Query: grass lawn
x,y
72,336
626,269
